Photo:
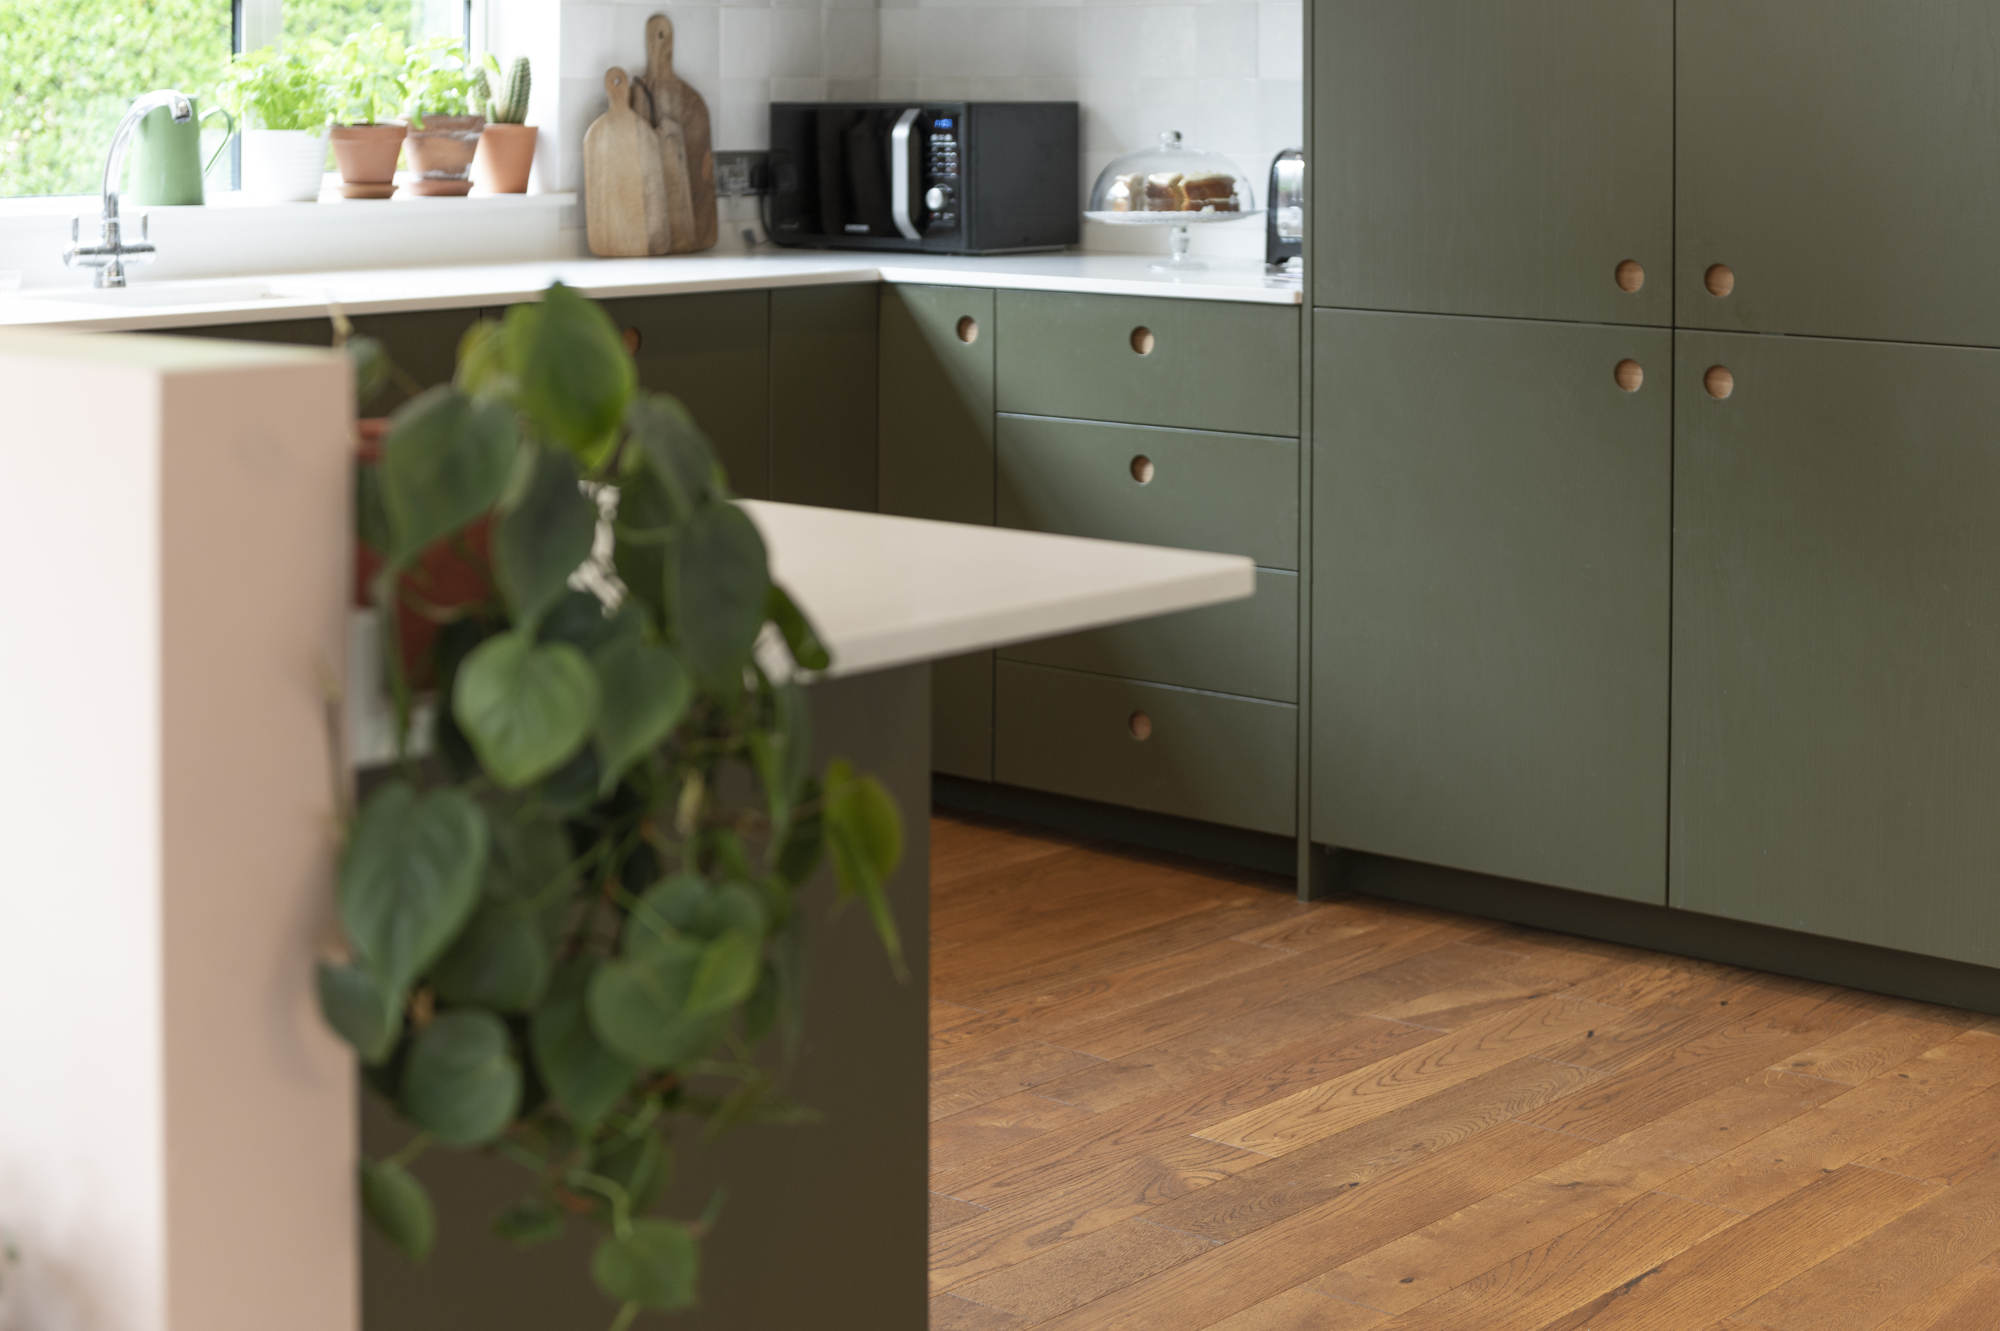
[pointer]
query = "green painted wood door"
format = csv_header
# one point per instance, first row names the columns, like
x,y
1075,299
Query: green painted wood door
x,y
1490,596
1837,157
1836,723
422,345
1493,156
712,351
823,395
936,461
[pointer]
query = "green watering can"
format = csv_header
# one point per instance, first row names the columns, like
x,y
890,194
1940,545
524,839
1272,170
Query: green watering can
x,y
166,159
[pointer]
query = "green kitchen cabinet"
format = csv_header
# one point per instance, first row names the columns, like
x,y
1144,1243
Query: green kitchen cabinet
x,y
712,351
1836,702
1836,172
422,345
1500,157
1490,599
823,390
935,459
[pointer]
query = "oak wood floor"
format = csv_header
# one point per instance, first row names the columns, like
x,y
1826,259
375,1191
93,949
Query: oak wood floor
x,y
1167,1098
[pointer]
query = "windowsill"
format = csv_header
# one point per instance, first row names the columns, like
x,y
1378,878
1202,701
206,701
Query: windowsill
x,y
236,204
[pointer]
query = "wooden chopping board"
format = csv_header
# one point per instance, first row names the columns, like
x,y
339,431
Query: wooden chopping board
x,y
624,183
686,141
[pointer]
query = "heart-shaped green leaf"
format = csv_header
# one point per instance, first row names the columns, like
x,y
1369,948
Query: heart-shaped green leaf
x,y
573,377
397,1205
800,636
462,1083
727,972
644,692
864,833
638,1006
525,706
501,960
676,452
482,361
581,620
585,1078
544,535
410,879
359,1009
652,1265
445,462
721,584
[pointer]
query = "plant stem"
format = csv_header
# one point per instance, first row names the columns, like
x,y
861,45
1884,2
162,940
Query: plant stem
x,y
625,1317
413,1148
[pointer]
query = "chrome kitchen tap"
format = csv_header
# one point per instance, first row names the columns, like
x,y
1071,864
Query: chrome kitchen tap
x,y
107,257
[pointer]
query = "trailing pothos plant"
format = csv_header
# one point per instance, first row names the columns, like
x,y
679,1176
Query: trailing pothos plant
x,y
572,925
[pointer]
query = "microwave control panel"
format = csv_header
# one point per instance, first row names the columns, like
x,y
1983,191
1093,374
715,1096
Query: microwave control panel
x,y
942,137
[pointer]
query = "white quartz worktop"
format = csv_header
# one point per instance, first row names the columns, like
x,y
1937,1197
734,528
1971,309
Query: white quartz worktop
x,y
262,298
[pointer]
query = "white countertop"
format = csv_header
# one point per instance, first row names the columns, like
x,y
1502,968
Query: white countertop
x,y
266,297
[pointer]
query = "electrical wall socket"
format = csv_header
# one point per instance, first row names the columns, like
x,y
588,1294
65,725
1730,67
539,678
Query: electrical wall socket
x,y
741,173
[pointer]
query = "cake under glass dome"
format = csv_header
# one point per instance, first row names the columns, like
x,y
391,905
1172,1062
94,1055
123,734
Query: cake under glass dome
x,y
1172,185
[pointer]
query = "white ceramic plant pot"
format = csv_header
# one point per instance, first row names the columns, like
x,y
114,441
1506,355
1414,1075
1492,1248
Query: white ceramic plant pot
x,y
283,165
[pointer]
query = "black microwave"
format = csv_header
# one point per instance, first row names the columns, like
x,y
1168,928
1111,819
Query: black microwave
x,y
941,177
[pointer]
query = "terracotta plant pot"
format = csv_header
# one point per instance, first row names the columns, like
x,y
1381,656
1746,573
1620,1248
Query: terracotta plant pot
x,y
506,155
441,153
367,156
448,576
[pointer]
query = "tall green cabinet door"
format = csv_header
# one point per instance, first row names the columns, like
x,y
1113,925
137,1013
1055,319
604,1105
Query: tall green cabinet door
x,y
1510,157
712,351
1836,722
1836,168
823,395
936,461
1490,596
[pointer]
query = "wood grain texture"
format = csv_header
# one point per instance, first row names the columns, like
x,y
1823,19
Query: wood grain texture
x,y
624,190
686,143
1425,1123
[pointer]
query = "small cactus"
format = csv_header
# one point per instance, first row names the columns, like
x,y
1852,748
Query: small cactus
x,y
510,106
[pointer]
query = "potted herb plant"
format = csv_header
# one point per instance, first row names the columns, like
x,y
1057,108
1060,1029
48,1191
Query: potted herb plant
x,y
278,98
447,93
566,931
507,145
364,77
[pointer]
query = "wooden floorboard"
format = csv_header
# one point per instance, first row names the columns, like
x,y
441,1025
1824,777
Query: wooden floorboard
x,y
1167,1098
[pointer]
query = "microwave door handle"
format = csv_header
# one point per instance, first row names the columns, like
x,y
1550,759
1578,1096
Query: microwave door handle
x,y
899,174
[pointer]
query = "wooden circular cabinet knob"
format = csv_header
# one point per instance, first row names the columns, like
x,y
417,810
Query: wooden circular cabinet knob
x,y
1630,275
1142,340
1720,279
1718,382
1630,374
1140,725
631,338
1142,469
968,329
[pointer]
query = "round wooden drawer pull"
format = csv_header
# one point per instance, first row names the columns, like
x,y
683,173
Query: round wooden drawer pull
x,y
1140,725
1718,382
1631,275
968,329
1630,374
631,338
1720,279
1142,340
1142,469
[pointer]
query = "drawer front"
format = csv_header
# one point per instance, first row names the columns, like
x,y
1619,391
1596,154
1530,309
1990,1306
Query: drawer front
x,y
712,351
1205,365
1203,755
1248,647
1233,493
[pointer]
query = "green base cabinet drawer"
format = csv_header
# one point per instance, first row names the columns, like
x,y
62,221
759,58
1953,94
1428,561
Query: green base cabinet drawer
x,y
1202,755
1201,364
1248,647
712,351
1232,493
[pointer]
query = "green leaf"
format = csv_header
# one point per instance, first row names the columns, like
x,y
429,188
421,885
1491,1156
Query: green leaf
x,y
677,453
462,1083
638,1006
371,370
800,636
573,375
530,867
782,755
727,972
501,960
653,1265
399,1208
804,842
359,1010
543,536
482,361
645,690
864,832
721,581
641,1165
581,620
585,1078
410,879
445,462
372,527
525,1224
526,706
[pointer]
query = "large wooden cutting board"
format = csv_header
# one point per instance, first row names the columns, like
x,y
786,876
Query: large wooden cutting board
x,y
624,184
686,141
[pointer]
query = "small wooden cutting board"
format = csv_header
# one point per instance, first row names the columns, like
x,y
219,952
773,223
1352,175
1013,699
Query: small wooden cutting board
x,y
689,142
624,185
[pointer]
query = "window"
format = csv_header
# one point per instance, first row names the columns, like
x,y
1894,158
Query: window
x,y
69,68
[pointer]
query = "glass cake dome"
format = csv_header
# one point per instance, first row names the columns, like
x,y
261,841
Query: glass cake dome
x,y
1172,185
